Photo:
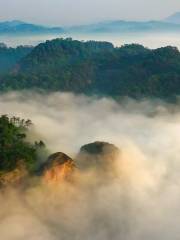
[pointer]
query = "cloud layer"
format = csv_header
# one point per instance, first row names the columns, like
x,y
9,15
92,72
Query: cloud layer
x,y
141,202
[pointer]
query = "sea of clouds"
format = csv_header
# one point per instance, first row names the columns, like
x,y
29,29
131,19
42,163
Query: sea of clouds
x,y
140,203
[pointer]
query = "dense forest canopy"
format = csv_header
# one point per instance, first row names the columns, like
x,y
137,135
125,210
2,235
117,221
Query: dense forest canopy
x,y
14,147
97,68
10,56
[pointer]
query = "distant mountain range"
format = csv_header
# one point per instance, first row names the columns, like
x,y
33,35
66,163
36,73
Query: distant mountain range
x,y
19,27
174,18
121,26
170,24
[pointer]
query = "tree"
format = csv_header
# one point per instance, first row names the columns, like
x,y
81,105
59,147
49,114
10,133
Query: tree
x,y
14,147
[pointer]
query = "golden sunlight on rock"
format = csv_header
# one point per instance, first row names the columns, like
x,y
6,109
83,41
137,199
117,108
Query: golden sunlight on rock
x,y
58,167
15,176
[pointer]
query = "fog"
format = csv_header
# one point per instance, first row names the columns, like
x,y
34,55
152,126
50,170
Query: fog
x,y
81,12
140,202
153,40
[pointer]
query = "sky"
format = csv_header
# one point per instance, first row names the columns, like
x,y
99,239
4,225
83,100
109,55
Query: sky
x,y
74,12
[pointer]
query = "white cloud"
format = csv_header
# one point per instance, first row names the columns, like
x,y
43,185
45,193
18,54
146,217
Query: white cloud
x,y
141,203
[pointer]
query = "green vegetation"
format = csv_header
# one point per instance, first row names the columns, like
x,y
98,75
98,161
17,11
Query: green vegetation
x,y
9,57
14,148
98,68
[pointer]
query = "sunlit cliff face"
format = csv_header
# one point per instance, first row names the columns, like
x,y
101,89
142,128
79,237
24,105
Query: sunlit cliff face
x,y
58,173
58,168
14,177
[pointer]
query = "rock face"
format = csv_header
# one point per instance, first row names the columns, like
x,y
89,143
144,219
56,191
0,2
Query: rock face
x,y
15,176
57,168
99,155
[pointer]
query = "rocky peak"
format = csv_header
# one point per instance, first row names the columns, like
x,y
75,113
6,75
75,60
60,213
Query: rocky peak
x,y
97,154
57,168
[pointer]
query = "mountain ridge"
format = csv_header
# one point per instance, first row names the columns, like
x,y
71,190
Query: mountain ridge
x,y
97,68
126,26
174,18
16,27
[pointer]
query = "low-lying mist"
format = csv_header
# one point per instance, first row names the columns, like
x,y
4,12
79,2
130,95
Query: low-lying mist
x,y
149,40
140,203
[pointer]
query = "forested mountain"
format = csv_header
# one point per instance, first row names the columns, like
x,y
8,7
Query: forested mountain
x,y
10,56
98,68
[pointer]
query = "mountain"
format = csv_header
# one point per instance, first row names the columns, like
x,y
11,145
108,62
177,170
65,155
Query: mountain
x,y
21,161
97,155
98,68
121,26
174,18
9,57
57,168
20,28
15,27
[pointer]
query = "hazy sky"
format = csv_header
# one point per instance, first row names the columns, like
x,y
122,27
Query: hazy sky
x,y
69,12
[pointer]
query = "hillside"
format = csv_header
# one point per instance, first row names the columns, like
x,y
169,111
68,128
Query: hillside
x,y
98,68
10,56
18,156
